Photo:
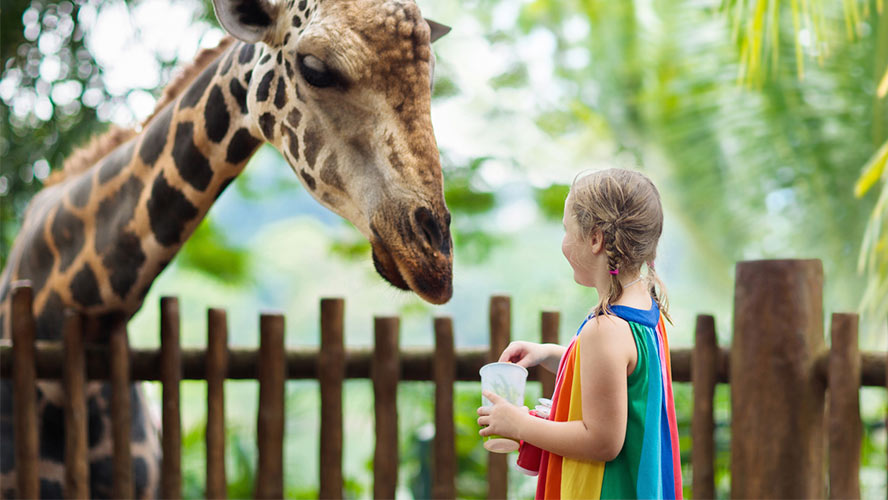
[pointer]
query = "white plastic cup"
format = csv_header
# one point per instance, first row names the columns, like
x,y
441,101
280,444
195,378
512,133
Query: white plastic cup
x,y
506,380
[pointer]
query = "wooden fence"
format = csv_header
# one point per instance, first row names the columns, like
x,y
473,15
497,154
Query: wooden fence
x,y
778,370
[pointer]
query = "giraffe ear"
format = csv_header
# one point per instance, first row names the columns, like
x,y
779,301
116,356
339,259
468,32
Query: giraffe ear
x,y
438,29
247,20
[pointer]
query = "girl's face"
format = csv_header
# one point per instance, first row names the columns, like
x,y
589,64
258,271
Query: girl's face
x,y
580,253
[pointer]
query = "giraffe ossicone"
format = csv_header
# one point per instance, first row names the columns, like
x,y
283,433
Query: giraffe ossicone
x,y
342,88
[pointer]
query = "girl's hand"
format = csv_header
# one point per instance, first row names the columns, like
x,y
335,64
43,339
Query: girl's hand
x,y
529,354
503,418
523,353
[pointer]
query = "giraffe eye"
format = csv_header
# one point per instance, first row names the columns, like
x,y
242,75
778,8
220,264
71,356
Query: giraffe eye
x,y
316,72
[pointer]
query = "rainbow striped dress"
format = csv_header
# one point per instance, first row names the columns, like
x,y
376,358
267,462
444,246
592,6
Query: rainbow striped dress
x,y
648,466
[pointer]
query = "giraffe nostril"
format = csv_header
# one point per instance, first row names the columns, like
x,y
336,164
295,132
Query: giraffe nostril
x,y
430,229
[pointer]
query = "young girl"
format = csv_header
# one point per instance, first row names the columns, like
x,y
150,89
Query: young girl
x,y
611,432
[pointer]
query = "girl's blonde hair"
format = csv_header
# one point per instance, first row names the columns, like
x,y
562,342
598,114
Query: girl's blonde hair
x,y
625,206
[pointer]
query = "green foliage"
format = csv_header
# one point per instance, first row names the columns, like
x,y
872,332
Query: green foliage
x,y
207,251
551,200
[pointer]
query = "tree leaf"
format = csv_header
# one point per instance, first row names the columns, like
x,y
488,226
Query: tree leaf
x,y
872,171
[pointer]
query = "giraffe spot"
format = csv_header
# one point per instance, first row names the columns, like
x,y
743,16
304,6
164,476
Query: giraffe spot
x,y
239,93
223,186
168,212
37,261
50,489
226,66
293,142
115,212
309,180
193,166
216,115
252,13
101,474
302,4
330,173
123,262
293,118
396,162
79,193
95,424
266,123
140,475
137,417
290,72
52,434
49,321
297,21
67,233
280,56
265,59
196,89
287,39
156,137
248,76
246,53
115,162
85,288
264,86
313,145
280,97
241,146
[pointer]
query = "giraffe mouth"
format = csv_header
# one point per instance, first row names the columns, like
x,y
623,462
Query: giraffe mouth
x,y
430,277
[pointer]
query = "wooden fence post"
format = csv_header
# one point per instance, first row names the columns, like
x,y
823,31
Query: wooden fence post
x,y
217,366
76,418
777,402
270,421
24,380
170,378
549,321
500,333
444,470
121,411
331,373
385,372
845,427
703,377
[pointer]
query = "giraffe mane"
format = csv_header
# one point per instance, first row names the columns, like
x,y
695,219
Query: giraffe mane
x,y
99,146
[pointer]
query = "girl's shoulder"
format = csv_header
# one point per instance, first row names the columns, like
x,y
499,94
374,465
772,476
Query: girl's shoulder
x,y
607,337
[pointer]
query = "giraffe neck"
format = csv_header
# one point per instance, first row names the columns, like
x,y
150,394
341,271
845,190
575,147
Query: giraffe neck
x,y
97,241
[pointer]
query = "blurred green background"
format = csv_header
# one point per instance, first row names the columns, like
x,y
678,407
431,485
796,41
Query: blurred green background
x,y
764,123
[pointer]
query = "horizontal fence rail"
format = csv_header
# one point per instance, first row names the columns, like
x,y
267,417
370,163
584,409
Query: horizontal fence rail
x,y
302,363
841,369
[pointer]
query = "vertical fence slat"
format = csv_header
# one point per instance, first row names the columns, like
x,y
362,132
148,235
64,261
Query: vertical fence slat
x,y
170,378
76,450
549,321
777,402
444,470
385,372
845,428
24,380
703,377
500,333
331,373
118,351
270,424
217,366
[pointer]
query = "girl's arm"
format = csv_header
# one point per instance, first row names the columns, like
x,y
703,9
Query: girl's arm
x,y
606,352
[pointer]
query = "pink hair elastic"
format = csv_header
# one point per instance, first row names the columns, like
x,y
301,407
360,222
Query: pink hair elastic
x,y
615,272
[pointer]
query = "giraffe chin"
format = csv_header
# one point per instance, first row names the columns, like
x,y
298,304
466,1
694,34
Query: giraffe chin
x,y
435,291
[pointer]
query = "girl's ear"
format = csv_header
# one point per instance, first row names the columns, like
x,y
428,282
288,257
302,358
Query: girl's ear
x,y
596,241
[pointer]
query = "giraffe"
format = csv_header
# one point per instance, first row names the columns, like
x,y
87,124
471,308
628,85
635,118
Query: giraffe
x,y
341,88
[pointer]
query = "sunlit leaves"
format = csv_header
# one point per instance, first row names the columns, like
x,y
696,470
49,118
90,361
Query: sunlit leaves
x,y
209,252
551,200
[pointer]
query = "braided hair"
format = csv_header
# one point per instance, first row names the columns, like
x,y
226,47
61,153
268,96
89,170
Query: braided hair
x,y
624,205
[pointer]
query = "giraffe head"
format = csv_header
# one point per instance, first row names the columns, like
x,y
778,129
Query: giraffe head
x,y
342,88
